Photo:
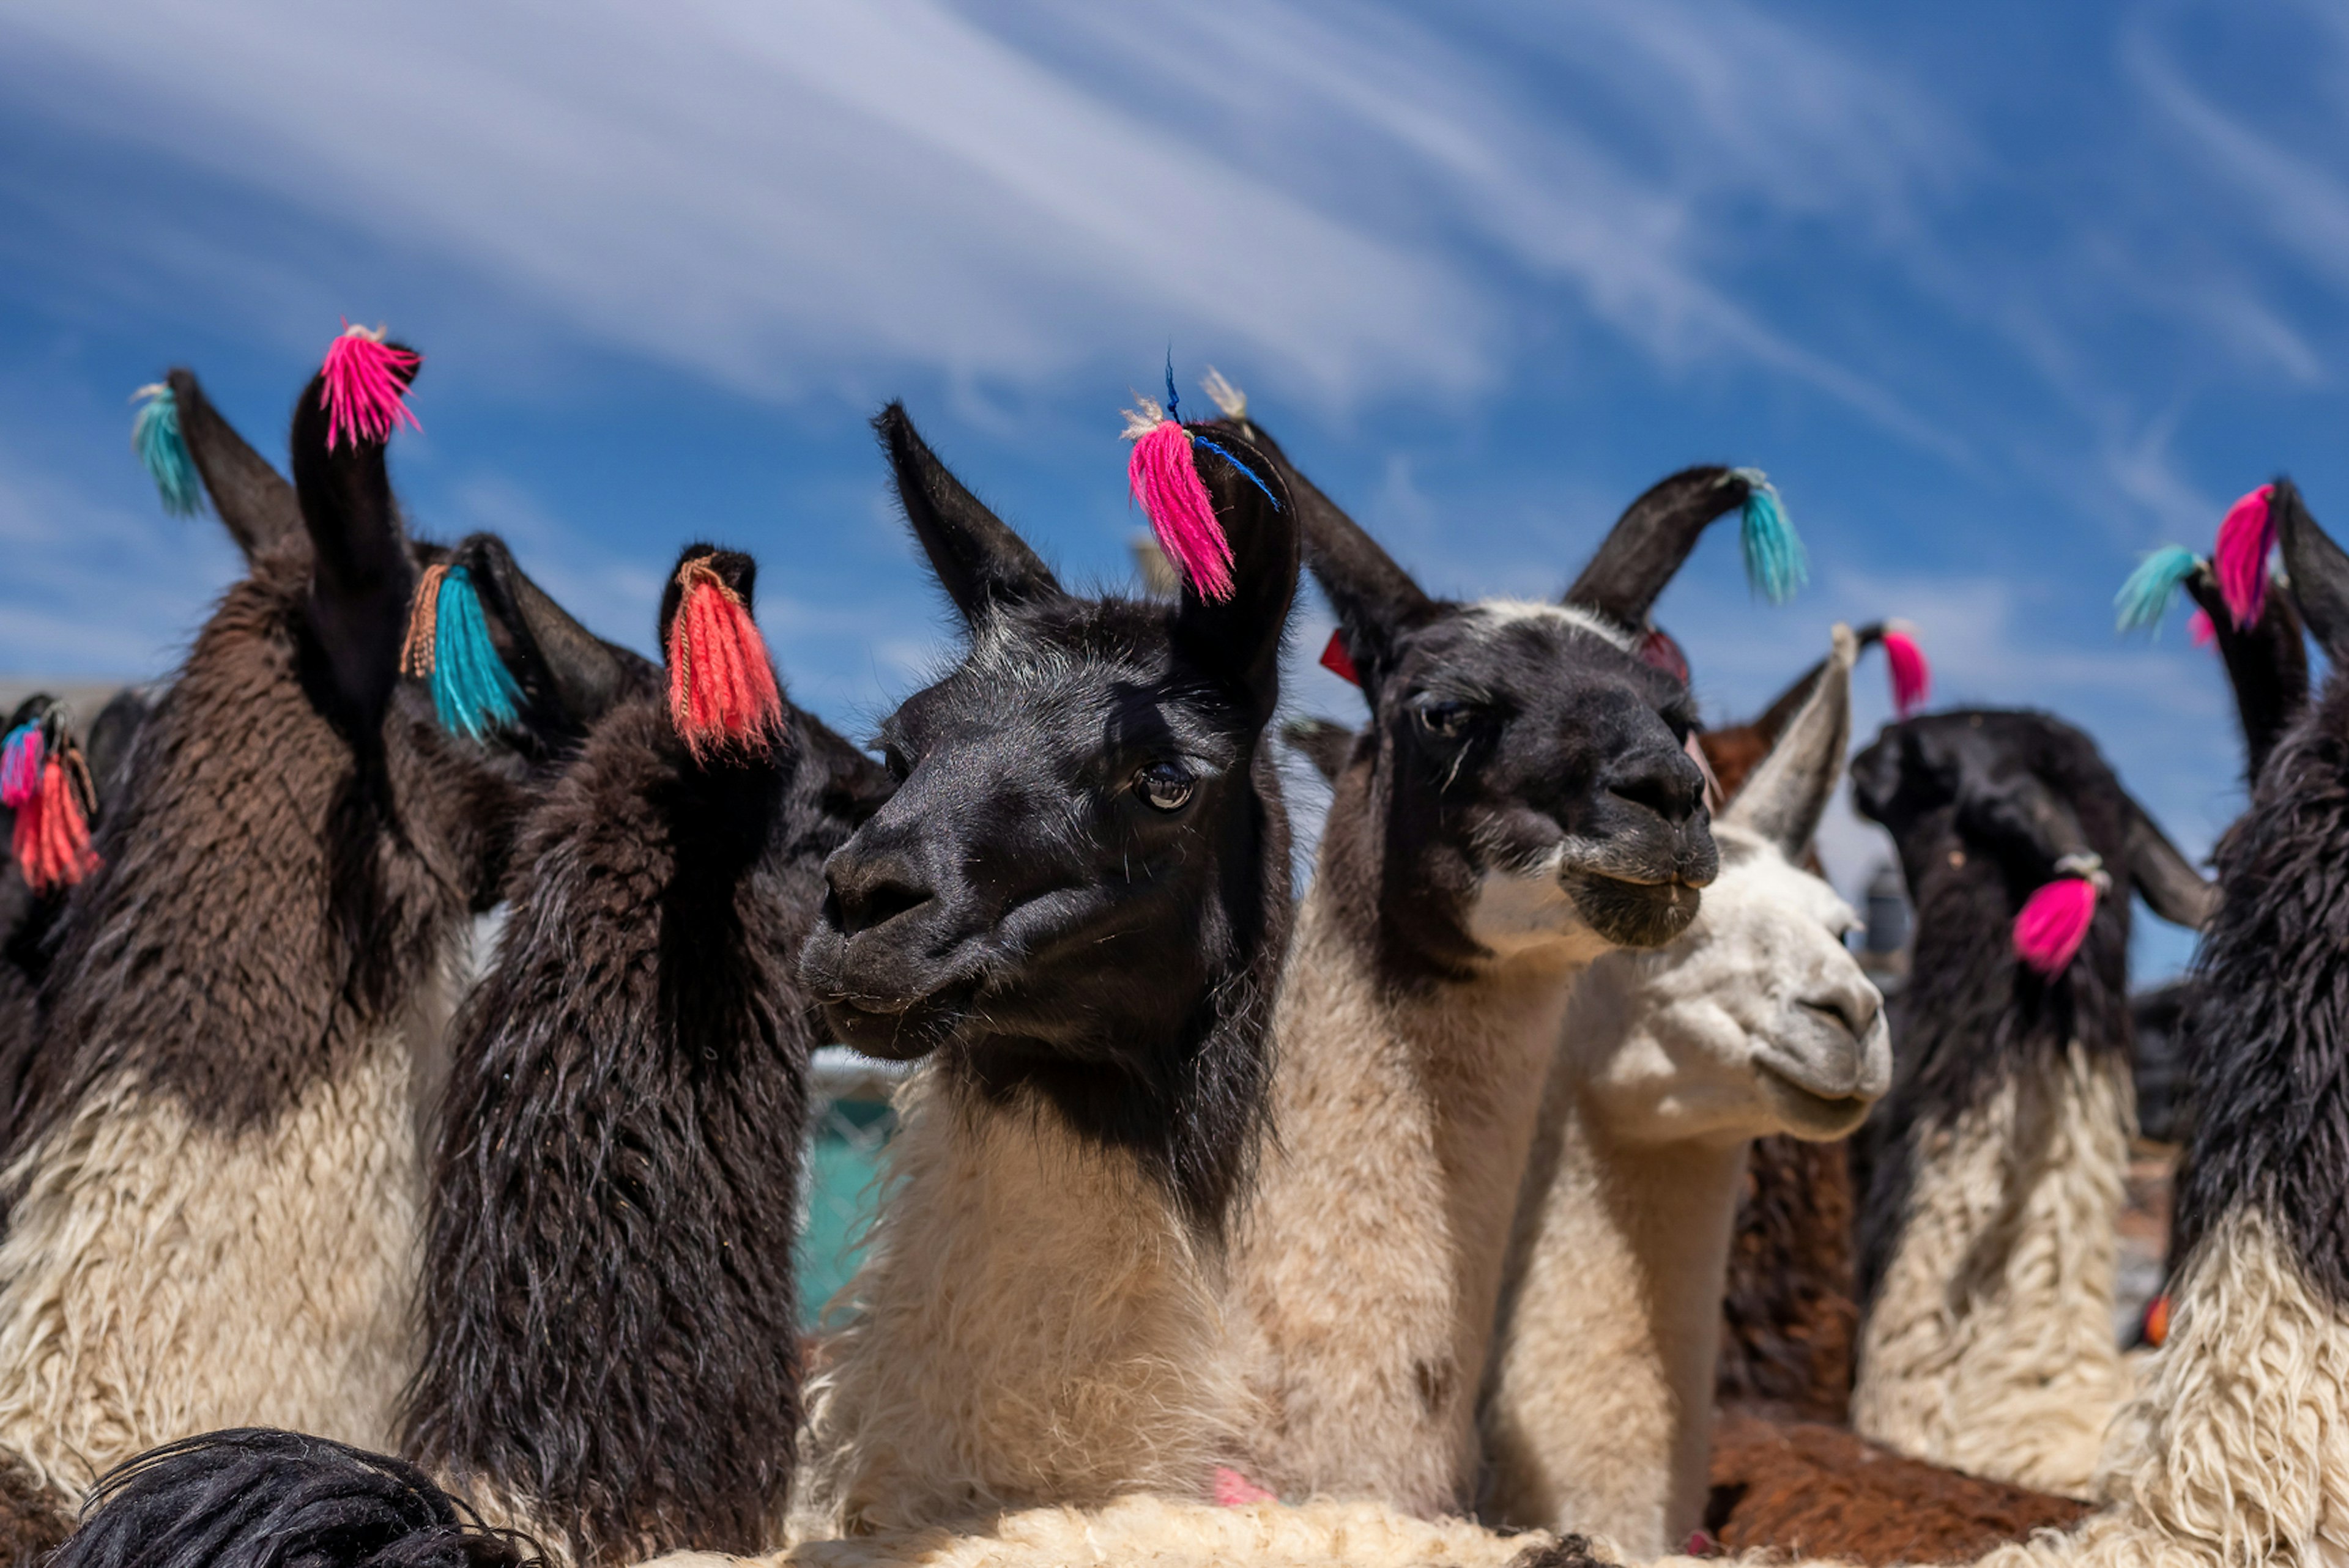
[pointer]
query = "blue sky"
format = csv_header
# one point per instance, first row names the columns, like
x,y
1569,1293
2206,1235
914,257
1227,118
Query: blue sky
x,y
2001,295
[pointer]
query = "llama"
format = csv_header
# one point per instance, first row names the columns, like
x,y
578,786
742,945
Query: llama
x,y
1074,909
1598,1412
1987,1250
212,1211
1520,804
610,1327
1788,1316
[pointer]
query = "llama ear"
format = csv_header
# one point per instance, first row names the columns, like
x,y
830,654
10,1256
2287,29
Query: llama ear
x,y
2319,569
360,574
1648,543
2016,809
1323,742
1785,796
2166,879
1376,601
255,503
1239,635
980,563
2267,665
581,675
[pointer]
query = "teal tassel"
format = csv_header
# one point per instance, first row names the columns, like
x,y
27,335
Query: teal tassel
x,y
471,689
2144,599
155,436
1775,563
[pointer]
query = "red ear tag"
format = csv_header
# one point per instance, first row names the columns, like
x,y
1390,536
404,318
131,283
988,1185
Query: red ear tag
x,y
1339,662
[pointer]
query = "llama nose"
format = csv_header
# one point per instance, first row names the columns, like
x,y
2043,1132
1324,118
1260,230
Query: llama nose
x,y
872,890
1666,783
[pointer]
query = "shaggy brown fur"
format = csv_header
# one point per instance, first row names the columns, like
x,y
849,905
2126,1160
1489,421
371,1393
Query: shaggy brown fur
x,y
1789,1320
1821,1492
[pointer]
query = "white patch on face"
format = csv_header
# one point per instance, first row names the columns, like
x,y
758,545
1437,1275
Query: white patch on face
x,y
1519,913
1510,612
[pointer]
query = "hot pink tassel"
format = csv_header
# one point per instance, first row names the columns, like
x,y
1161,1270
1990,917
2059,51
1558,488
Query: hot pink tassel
x,y
2053,922
1181,512
20,768
1912,677
2240,556
2199,629
1234,1489
365,398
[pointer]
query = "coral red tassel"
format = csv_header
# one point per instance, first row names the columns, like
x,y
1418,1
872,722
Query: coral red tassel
x,y
2054,923
721,686
1338,660
1912,677
52,835
364,397
2241,557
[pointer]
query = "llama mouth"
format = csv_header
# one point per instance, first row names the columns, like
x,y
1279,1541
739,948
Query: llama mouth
x,y
1630,913
896,1029
1807,1113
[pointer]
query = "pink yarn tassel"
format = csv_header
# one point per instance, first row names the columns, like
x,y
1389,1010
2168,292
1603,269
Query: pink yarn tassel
x,y
20,769
1912,677
365,398
1234,1489
2053,922
2241,557
1181,512
2198,628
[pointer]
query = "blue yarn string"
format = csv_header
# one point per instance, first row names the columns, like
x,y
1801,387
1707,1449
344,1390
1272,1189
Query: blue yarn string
x,y
1776,563
1247,472
2144,599
472,691
155,436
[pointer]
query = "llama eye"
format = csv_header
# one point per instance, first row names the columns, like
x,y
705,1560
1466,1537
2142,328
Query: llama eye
x,y
1447,717
1164,786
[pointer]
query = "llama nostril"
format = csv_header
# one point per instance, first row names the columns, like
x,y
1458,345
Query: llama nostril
x,y
1669,786
1842,1014
861,897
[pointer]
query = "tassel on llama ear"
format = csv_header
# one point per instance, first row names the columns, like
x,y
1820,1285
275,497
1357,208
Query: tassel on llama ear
x,y
1776,561
155,436
1175,499
2145,597
1912,677
364,397
448,643
721,684
2054,920
1339,659
44,781
2240,556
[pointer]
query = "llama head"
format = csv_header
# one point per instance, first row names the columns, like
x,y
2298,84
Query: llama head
x,y
1080,886
1757,1019
1523,789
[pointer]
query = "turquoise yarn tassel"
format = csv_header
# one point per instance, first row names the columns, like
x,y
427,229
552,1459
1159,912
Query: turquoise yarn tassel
x,y
2144,599
472,691
155,436
1775,563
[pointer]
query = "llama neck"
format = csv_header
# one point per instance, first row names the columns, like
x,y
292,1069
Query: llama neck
x,y
1990,1346
1599,1409
1034,1322
1367,1267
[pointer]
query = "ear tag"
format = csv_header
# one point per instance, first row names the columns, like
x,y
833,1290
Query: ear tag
x,y
1167,482
1338,660
721,684
1912,677
448,643
364,397
155,436
2240,556
1776,561
1657,650
2145,597
2055,919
